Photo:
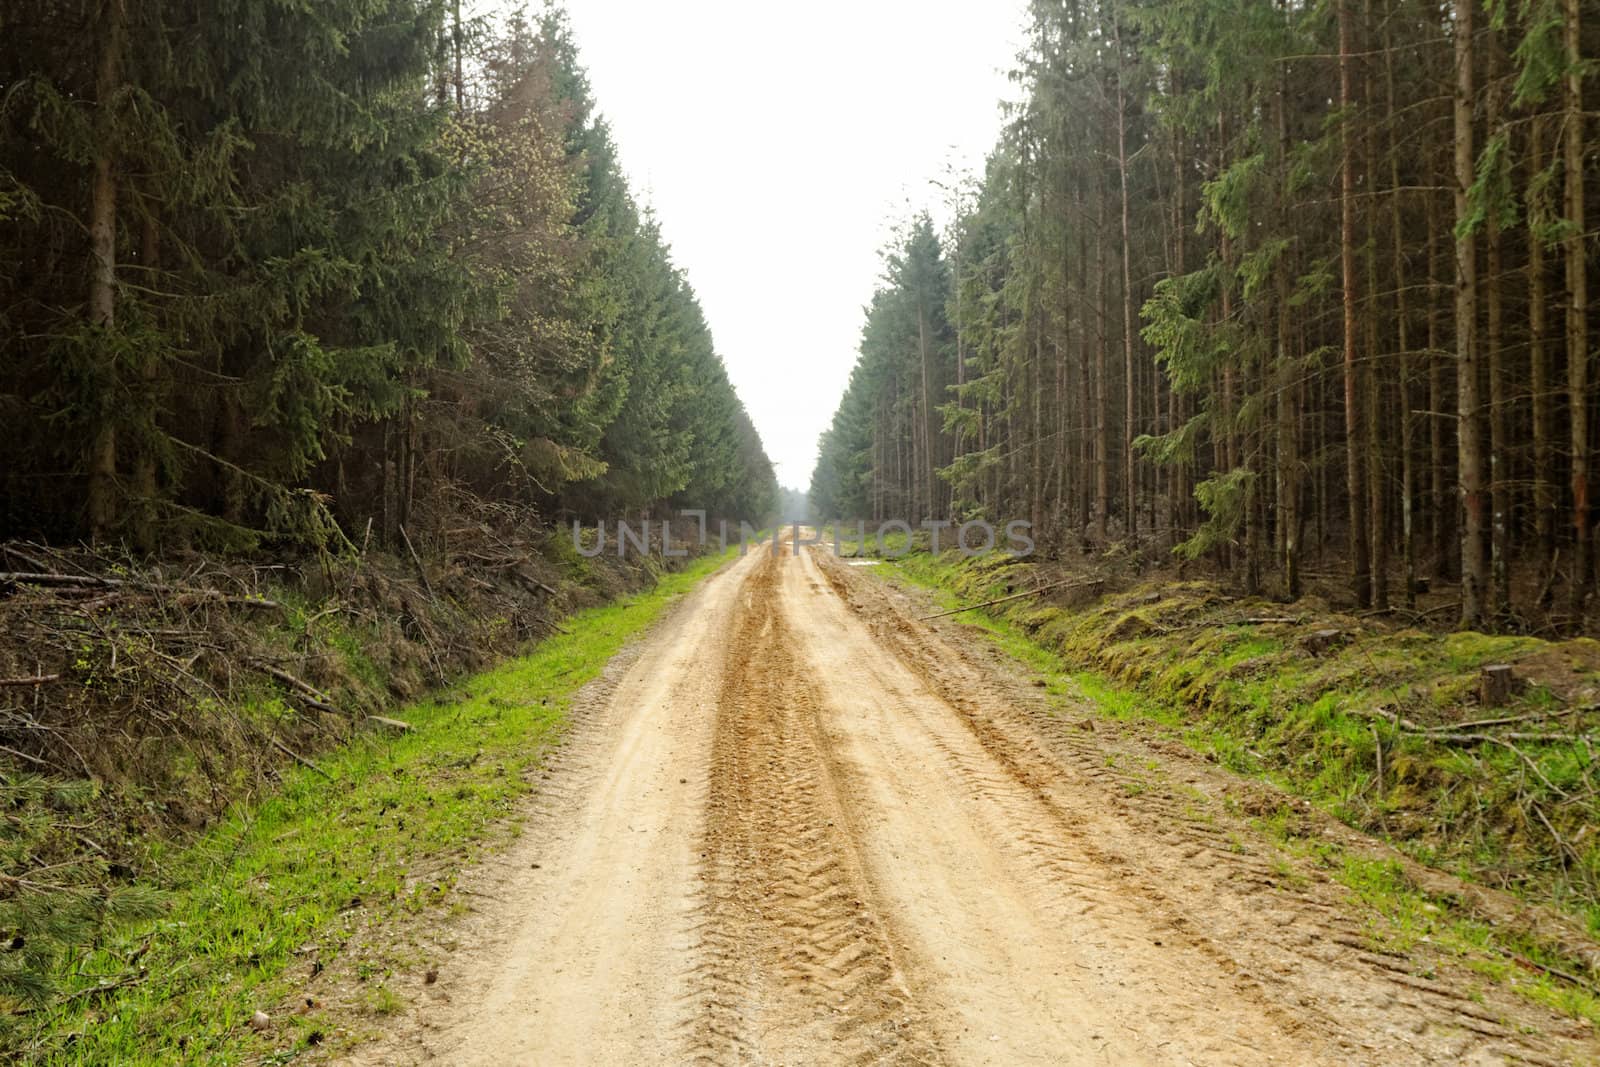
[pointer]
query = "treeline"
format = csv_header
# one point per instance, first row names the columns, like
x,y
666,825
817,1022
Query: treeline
x,y
1244,279
295,272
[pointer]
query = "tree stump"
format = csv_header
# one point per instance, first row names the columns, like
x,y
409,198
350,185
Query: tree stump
x,y
1497,684
1321,642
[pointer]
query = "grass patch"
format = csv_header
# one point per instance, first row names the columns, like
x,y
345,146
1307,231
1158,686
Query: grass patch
x,y
282,882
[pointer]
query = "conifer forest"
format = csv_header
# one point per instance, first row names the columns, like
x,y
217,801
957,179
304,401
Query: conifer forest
x,y
1278,285
889,532
275,271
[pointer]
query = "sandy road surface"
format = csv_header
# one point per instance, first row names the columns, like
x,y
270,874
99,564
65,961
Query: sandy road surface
x,y
797,826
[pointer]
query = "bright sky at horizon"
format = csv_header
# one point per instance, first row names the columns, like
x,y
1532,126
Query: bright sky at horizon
x,y
778,151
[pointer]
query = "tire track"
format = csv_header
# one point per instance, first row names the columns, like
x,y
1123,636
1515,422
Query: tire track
x,y
1291,937
801,827
793,956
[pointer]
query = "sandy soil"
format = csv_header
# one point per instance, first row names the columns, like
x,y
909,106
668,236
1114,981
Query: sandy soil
x,y
797,826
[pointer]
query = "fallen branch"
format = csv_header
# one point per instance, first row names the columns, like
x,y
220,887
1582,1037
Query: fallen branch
x,y
421,571
211,596
1506,720
35,760
397,725
1457,737
1503,742
535,582
292,754
32,561
117,586
311,695
50,578
1015,596
1554,972
103,987
35,679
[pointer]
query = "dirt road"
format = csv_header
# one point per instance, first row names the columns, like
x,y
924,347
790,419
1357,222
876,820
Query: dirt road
x,y
796,826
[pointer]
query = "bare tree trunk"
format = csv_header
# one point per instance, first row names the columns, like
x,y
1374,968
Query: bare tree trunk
x,y
1469,444
144,462
1354,440
1288,441
102,298
927,410
1408,422
1036,472
455,40
1544,488
1372,373
1443,503
1577,309
1499,603
1086,379
1178,488
961,352
1102,443
1130,487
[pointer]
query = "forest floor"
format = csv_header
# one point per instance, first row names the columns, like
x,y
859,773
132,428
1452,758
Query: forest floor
x,y
800,823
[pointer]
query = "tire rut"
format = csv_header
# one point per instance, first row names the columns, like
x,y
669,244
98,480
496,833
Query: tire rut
x,y
1296,947
792,953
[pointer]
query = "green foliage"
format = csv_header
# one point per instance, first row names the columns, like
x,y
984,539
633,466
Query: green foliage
x,y
338,279
47,913
1178,324
1492,194
897,392
1224,497
1228,198
1541,60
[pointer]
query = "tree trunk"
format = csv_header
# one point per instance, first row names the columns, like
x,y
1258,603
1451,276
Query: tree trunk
x,y
1372,372
144,462
1102,442
1577,310
1544,486
927,412
102,298
1036,471
1408,422
1355,465
1443,503
1469,444
1499,602
455,40
1130,486
1288,441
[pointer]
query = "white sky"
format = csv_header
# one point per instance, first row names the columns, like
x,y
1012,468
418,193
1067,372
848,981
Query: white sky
x,y
777,142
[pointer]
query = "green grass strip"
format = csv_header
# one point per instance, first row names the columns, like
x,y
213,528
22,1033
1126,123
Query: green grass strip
x,y
299,869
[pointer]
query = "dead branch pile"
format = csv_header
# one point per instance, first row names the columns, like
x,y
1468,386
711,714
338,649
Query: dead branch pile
x,y
182,679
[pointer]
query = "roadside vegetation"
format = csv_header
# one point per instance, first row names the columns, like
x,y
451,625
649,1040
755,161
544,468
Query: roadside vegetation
x,y
1380,726
268,896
